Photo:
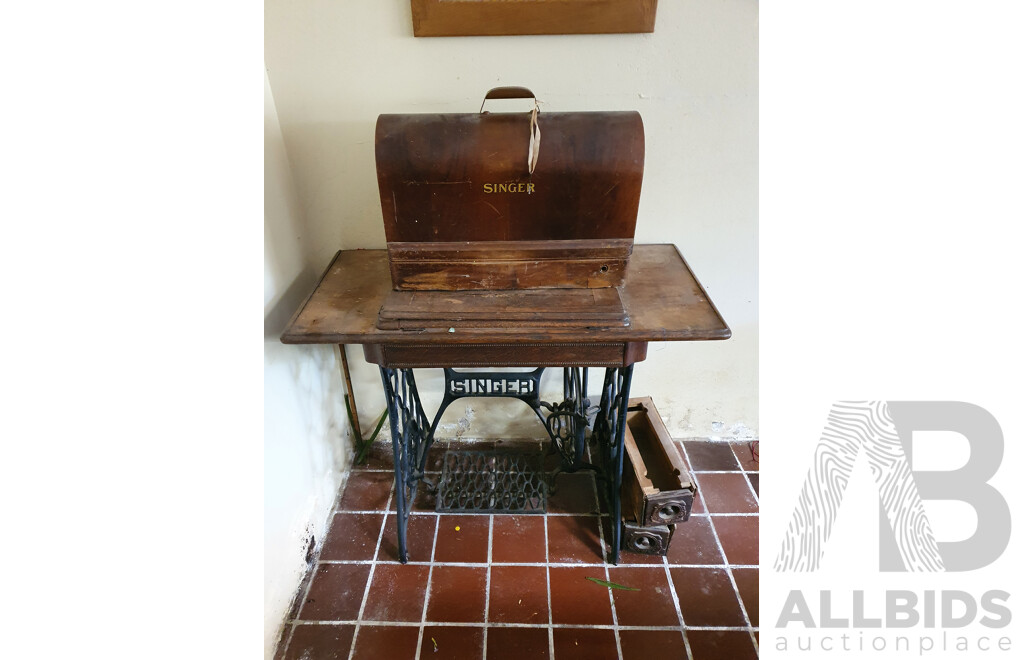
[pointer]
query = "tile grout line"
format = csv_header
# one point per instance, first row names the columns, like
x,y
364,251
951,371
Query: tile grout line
x,y
607,576
478,513
348,474
302,600
290,633
746,478
728,569
477,624
434,514
318,562
679,611
487,585
547,576
732,580
614,627
433,473
357,562
705,514
373,568
316,565
734,444
668,574
344,487
753,491
426,594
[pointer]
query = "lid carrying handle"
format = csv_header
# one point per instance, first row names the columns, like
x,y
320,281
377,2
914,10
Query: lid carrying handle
x,y
508,93
533,149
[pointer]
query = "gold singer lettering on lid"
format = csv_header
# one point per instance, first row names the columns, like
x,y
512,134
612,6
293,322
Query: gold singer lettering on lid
x,y
511,187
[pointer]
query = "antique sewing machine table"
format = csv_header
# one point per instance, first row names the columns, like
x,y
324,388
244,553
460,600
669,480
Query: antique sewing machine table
x,y
660,300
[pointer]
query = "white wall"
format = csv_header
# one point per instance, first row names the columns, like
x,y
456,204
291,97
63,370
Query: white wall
x,y
303,411
336,65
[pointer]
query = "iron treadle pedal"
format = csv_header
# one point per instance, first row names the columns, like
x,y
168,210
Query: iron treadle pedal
x,y
489,481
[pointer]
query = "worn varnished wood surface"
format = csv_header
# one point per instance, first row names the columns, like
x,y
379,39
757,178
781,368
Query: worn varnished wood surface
x,y
443,18
463,211
551,308
662,298
493,265
440,176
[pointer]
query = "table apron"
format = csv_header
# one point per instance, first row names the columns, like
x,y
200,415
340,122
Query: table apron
x,y
551,354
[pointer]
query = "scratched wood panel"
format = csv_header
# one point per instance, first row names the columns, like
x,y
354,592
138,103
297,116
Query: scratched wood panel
x,y
662,298
462,211
508,264
445,18
465,309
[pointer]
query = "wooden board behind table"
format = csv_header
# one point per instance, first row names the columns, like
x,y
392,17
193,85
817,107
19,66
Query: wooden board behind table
x,y
444,18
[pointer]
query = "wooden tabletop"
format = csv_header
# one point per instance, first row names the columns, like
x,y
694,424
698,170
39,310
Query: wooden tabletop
x,y
662,298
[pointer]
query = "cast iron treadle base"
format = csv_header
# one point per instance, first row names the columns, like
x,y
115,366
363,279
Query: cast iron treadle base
x,y
492,482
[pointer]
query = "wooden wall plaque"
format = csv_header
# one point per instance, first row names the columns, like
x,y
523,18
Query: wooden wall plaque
x,y
462,18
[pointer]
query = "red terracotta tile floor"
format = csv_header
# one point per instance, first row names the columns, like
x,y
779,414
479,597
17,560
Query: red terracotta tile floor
x,y
488,587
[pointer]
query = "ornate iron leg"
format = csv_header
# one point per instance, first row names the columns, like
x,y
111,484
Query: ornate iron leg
x,y
567,423
410,438
610,430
